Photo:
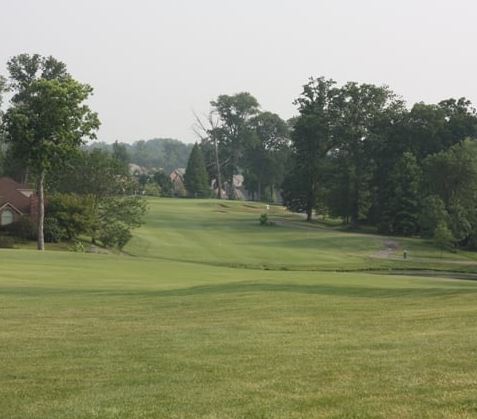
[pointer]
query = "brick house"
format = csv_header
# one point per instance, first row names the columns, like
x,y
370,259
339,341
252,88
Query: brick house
x,y
177,179
16,200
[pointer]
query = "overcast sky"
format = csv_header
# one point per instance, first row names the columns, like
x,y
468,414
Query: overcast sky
x,y
152,62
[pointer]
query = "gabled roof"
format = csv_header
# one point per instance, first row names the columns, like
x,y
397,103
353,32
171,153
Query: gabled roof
x,y
10,206
11,193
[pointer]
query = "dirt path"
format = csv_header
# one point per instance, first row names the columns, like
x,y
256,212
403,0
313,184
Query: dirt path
x,y
391,247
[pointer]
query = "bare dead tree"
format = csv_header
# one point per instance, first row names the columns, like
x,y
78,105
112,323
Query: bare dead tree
x,y
206,132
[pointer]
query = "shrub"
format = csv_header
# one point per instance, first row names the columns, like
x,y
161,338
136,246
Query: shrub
x,y
6,242
152,189
53,232
23,229
264,220
74,214
443,238
78,247
115,234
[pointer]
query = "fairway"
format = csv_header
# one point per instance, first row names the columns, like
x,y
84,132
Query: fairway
x,y
208,314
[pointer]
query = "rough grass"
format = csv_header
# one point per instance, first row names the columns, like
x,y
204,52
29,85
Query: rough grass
x,y
107,336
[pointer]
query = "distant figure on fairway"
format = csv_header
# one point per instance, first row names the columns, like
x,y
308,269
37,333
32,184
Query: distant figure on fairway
x,y
404,254
268,207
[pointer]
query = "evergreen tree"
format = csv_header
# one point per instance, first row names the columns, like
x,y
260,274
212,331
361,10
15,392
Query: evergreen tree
x,y
195,179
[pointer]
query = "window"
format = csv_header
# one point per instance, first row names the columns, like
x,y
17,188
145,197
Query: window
x,y
6,218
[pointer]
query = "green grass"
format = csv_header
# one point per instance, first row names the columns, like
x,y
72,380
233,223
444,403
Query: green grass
x,y
228,234
156,335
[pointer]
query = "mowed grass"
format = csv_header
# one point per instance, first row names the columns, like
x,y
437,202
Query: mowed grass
x,y
105,336
227,233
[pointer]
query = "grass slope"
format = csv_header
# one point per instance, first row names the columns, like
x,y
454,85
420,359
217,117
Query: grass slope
x,y
107,336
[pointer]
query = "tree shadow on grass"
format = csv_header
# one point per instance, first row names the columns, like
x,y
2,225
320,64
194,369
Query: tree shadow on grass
x,y
249,288
329,290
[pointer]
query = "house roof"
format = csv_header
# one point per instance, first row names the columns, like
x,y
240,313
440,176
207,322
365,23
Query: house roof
x,y
11,193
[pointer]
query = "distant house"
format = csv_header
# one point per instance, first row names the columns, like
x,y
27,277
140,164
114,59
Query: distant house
x,y
136,170
16,200
238,191
177,179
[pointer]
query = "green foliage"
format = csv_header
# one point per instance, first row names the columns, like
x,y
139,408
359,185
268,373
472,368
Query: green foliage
x,y
48,119
156,154
433,213
115,234
443,238
196,179
53,231
452,176
403,207
152,189
120,154
116,217
232,131
73,214
96,173
164,182
266,155
78,246
311,141
23,229
6,242
264,220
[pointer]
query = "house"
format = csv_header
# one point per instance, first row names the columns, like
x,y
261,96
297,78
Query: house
x,y
16,200
177,179
239,191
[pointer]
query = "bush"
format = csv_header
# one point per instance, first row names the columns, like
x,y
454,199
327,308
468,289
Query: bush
x,y
74,215
23,229
53,232
264,220
443,238
78,247
152,189
115,234
6,242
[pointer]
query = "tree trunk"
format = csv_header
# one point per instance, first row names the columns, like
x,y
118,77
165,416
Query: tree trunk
x,y
309,214
259,191
41,211
217,165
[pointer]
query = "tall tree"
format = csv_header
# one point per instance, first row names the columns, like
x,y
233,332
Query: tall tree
x,y
233,132
361,108
48,119
402,210
451,176
312,139
266,154
196,179
120,154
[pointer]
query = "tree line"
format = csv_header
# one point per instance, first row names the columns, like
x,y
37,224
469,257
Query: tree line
x,y
164,154
355,152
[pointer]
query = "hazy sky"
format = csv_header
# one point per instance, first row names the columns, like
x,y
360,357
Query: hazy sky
x,y
152,62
